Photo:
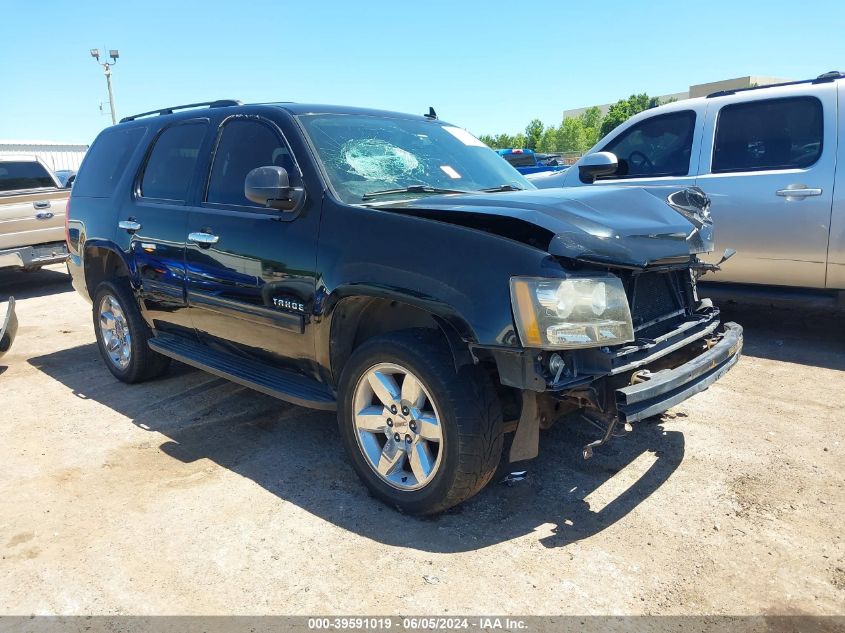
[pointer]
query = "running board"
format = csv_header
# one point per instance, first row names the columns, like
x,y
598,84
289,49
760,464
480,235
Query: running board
x,y
281,384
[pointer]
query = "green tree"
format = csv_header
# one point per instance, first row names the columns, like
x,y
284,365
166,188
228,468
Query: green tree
x,y
575,134
549,141
572,136
578,134
488,140
533,134
501,141
624,109
591,119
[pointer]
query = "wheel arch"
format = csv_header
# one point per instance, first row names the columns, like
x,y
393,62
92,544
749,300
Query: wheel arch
x,y
356,318
103,261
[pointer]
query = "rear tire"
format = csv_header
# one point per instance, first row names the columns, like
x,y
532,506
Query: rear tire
x,y
459,410
122,334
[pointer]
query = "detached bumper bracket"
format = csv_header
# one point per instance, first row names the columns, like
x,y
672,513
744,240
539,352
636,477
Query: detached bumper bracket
x,y
669,387
9,329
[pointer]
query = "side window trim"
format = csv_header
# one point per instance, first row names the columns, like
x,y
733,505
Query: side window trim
x,y
692,165
271,125
746,170
139,177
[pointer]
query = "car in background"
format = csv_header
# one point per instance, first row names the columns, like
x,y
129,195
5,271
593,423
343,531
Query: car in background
x,y
526,161
32,214
550,160
772,161
66,177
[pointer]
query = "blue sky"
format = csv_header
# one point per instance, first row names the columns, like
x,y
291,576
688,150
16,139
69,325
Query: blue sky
x,y
489,66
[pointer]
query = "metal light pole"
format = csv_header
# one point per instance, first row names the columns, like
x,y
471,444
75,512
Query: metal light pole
x,y
114,54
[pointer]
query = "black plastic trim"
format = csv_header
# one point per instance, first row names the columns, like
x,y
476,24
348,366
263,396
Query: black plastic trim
x,y
220,103
832,75
256,314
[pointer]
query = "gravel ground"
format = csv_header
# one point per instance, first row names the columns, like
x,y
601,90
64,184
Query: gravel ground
x,y
191,495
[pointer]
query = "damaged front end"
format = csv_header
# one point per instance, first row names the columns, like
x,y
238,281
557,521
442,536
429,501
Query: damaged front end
x,y
9,328
679,348
613,377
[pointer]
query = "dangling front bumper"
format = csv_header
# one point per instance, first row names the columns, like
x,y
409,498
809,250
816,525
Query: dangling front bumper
x,y
656,392
9,329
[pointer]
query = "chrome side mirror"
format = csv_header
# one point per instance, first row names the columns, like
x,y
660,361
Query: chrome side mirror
x,y
597,164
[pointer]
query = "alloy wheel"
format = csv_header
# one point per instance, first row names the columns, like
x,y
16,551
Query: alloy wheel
x,y
397,426
114,329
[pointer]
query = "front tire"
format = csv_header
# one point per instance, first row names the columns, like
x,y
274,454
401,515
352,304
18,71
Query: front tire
x,y
122,334
422,436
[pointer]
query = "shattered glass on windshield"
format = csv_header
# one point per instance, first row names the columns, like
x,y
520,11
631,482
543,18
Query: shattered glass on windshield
x,y
378,160
362,154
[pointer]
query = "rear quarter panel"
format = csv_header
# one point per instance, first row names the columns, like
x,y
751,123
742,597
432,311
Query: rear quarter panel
x,y
92,221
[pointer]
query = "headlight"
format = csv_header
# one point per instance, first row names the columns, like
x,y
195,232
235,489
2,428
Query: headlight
x,y
571,313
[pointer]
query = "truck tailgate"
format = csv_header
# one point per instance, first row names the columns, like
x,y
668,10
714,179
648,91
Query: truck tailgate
x,y
32,218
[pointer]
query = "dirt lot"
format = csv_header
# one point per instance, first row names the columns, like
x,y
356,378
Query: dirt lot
x,y
191,495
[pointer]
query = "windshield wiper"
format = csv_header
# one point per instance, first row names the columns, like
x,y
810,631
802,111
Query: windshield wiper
x,y
501,188
410,189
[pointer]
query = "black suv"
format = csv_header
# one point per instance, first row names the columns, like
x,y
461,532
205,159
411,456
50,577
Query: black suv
x,y
393,268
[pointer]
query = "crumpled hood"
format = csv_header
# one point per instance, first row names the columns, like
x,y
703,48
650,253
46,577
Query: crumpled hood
x,y
608,224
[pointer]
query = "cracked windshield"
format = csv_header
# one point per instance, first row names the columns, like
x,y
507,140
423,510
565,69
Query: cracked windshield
x,y
367,157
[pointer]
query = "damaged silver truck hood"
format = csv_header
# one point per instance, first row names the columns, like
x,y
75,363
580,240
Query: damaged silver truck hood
x,y
625,226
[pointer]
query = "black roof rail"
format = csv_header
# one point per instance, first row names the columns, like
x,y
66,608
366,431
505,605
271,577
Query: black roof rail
x,y
825,77
220,103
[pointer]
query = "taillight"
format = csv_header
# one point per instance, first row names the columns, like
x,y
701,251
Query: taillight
x,y
67,230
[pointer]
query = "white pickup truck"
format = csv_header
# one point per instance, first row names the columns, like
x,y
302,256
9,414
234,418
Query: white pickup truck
x,y
32,214
772,161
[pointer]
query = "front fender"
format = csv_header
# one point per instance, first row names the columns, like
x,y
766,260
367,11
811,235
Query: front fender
x,y
438,307
352,300
457,273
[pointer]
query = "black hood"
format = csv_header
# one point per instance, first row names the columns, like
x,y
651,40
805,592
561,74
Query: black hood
x,y
615,225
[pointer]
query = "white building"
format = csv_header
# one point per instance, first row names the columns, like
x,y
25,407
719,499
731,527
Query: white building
x,y
698,90
55,155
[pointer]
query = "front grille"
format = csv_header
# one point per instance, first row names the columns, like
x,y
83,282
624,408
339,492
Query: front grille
x,y
659,301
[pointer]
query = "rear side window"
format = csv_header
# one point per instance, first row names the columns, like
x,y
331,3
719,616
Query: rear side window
x,y
170,167
521,160
770,134
244,145
24,175
106,160
658,146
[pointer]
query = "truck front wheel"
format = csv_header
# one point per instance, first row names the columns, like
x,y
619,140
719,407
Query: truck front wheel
x,y
422,436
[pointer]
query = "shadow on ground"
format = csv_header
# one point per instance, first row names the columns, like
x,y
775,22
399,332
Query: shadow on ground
x,y
40,283
296,455
791,334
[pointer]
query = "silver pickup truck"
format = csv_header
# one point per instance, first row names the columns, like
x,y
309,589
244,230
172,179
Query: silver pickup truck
x,y
772,162
32,214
